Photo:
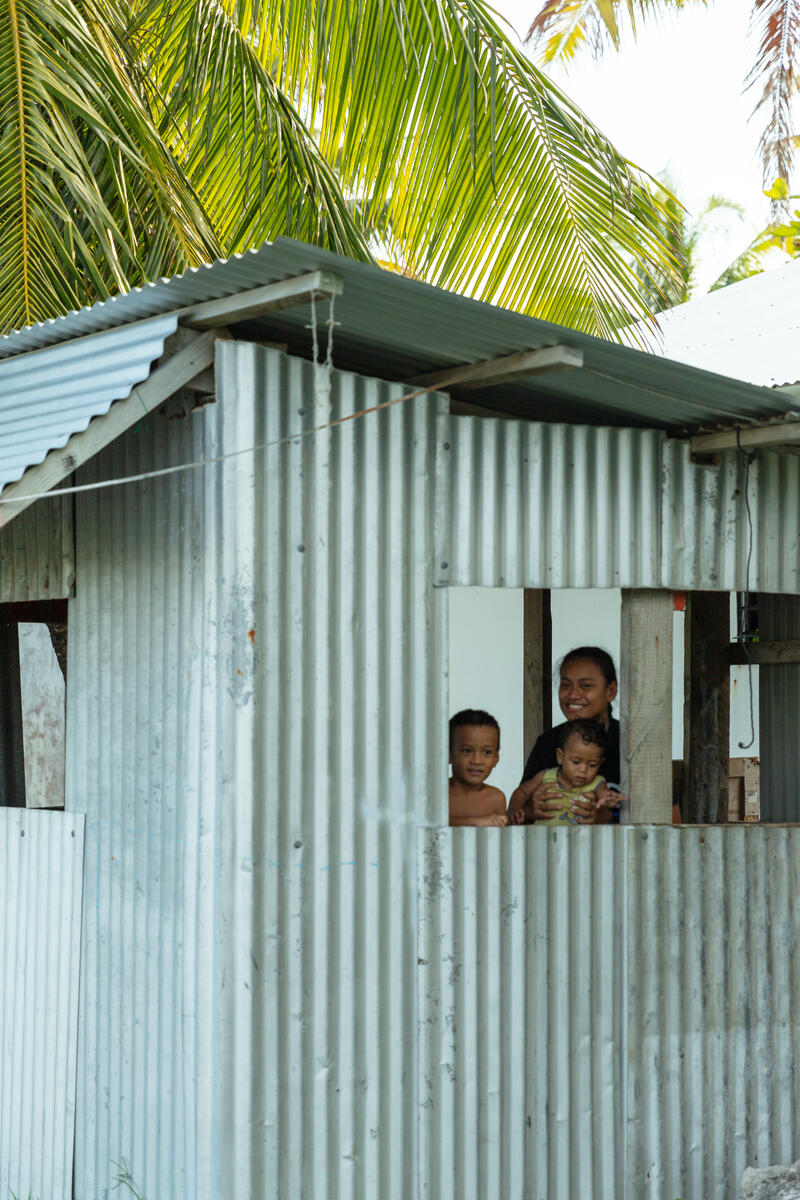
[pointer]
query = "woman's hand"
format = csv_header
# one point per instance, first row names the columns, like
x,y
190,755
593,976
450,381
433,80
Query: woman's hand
x,y
542,799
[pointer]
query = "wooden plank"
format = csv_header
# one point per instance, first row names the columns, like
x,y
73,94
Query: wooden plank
x,y
497,370
174,373
646,705
272,297
752,797
765,653
707,729
537,691
771,433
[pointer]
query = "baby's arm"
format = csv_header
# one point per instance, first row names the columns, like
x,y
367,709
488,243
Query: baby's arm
x,y
534,800
522,794
605,796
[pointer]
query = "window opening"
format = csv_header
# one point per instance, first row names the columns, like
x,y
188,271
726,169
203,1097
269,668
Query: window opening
x,y
494,667
33,654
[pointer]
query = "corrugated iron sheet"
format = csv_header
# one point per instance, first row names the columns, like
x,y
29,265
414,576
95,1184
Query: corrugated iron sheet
x,y
536,505
397,328
606,1013
47,396
561,506
136,729
521,1017
41,860
37,552
707,529
779,704
256,649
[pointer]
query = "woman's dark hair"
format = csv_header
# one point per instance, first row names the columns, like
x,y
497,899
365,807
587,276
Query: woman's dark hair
x,y
472,716
600,658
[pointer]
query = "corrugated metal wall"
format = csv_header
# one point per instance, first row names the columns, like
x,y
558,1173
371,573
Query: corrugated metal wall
x,y
256,723
333,761
136,736
41,861
607,1013
37,552
561,506
779,705
255,653
537,505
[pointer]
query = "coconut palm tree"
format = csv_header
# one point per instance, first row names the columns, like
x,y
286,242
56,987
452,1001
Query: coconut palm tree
x,y
561,28
138,138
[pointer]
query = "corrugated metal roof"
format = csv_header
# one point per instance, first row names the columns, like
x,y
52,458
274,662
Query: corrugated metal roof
x,y
48,396
397,328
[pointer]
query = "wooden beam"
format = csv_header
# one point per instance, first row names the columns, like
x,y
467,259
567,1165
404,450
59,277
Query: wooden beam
x,y
707,707
646,705
771,433
537,692
503,370
764,653
173,373
272,297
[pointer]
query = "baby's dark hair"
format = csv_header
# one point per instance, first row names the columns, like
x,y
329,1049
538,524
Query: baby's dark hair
x,y
588,730
600,658
472,716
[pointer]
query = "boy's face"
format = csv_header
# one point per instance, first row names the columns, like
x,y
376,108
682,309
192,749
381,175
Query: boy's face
x,y
474,753
579,761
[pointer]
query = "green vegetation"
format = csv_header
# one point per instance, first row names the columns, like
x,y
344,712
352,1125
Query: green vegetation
x,y
141,138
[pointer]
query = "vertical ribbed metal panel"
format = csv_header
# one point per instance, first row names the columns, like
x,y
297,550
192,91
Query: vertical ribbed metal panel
x,y
333,761
561,506
713,1037
41,860
255,652
706,529
607,1013
37,552
569,506
779,708
520,1022
135,739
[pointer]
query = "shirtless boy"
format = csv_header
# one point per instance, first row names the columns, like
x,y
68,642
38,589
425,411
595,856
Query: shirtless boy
x,y
474,753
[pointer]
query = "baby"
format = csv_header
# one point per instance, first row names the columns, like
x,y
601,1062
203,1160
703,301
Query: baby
x,y
579,759
474,753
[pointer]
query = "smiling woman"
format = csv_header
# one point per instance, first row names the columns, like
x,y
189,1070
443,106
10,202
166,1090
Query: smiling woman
x,y
586,690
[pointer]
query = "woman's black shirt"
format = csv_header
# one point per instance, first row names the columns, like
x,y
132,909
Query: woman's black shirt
x,y
543,754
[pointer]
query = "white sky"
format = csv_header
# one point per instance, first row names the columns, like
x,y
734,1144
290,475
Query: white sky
x,y
673,101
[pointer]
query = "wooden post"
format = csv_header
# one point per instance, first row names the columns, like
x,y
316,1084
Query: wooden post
x,y
537,690
646,705
706,737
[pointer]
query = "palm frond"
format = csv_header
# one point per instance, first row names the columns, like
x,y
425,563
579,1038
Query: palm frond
x,y
777,26
561,28
490,180
238,137
90,200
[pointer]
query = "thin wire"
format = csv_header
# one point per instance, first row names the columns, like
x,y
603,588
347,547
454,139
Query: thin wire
x,y
207,462
748,459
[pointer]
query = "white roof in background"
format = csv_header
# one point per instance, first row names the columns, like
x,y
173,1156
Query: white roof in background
x,y
750,330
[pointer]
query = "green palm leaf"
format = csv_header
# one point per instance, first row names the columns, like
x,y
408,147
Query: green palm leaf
x,y
87,191
474,169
